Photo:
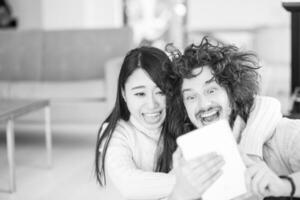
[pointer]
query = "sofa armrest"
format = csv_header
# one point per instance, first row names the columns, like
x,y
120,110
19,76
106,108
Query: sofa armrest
x,y
4,90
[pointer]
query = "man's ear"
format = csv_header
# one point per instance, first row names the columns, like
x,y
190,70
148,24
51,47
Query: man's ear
x,y
123,95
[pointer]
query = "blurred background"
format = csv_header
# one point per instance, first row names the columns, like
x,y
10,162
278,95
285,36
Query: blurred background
x,y
70,51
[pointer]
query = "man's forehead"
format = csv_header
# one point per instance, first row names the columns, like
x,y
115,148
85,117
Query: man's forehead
x,y
201,75
198,70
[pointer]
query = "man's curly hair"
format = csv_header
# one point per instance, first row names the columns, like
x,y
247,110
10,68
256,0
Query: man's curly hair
x,y
233,69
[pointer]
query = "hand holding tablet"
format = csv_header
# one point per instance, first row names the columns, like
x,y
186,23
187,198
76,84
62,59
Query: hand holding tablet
x,y
217,137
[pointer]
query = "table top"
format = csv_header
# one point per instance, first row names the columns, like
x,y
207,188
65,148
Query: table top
x,y
12,108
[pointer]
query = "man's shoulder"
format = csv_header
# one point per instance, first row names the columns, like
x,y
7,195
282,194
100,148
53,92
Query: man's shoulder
x,y
287,137
287,130
288,124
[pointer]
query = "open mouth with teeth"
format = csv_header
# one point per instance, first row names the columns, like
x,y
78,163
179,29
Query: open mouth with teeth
x,y
153,117
209,116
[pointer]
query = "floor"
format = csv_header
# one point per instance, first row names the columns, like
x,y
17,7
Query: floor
x,y
71,176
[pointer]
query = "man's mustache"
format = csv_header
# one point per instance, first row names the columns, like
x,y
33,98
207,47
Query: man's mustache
x,y
201,111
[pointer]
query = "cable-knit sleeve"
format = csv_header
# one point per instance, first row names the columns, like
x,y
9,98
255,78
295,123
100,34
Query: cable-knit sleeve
x,y
291,143
261,123
133,183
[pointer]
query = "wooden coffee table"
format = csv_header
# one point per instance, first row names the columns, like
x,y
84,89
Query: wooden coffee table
x,y
10,109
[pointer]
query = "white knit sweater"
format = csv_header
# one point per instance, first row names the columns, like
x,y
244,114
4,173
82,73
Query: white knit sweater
x,y
131,155
130,162
262,121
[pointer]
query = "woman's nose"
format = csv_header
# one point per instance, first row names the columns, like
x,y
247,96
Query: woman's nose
x,y
152,102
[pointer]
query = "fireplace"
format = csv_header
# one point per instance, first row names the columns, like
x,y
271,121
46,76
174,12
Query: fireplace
x,y
294,8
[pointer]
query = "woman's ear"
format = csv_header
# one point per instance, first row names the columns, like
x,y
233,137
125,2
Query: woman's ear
x,y
123,95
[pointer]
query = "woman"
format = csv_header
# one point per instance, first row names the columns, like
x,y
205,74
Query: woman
x,y
129,142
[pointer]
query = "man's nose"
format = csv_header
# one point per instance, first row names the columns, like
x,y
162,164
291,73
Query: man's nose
x,y
204,102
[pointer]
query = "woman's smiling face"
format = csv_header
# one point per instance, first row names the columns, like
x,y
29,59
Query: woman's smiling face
x,y
145,100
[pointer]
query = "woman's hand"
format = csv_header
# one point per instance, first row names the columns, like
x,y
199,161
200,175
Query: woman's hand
x,y
195,176
262,181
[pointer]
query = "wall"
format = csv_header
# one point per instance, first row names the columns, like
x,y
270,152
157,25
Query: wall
x,y
235,14
28,12
68,14
61,55
259,25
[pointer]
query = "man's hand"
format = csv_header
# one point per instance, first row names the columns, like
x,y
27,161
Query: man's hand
x,y
262,181
243,196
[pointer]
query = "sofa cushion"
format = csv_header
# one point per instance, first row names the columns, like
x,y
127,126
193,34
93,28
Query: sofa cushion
x,y
76,90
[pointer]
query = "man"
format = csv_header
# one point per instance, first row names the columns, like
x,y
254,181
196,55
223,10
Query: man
x,y
220,82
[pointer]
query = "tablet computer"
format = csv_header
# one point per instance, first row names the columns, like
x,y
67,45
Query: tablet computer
x,y
217,137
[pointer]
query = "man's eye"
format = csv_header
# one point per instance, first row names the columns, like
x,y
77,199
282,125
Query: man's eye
x,y
211,91
160,93
140,94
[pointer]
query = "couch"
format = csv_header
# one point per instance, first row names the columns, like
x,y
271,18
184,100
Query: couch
x,y
69,67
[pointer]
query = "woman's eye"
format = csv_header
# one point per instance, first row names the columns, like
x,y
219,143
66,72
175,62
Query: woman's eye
x,y
140,94
189,98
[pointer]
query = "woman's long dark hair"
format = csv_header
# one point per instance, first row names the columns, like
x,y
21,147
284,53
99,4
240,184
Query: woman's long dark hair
x,y
157,64
233,69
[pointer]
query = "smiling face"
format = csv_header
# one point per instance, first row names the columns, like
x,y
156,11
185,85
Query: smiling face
x,y
204,99
145,101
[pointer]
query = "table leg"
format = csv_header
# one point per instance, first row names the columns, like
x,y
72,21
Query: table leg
x,y
10,139
48,135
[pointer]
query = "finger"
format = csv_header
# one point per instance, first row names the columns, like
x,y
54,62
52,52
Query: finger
x,y
177,153
243,196
252,170
248,180
249,175
263,186
208,182
211,165
247,160
205,173
177,157
255,158
256,181
207,159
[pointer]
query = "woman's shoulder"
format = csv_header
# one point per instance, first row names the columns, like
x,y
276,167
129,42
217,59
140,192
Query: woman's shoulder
x,y
124,126
121,126
124,129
